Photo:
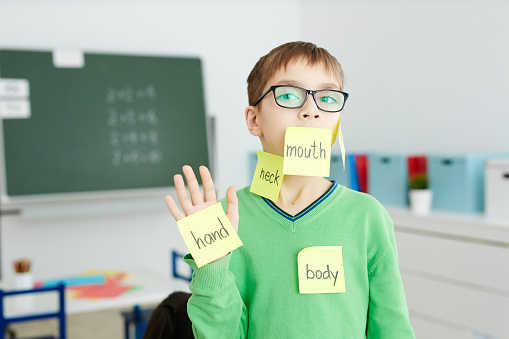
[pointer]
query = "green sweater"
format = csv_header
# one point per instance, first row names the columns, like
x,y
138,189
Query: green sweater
x,y
254,291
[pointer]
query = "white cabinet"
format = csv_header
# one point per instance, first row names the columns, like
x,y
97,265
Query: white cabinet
x,y
455,270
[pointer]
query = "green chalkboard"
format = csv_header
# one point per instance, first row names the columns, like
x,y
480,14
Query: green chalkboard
x,y
118,122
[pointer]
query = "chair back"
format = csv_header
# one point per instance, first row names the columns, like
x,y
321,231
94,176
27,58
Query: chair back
x,y
59,314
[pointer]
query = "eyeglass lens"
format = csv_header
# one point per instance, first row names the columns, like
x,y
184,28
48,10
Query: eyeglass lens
x,y
292,97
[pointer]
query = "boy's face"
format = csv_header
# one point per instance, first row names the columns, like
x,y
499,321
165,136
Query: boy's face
x,y
269,121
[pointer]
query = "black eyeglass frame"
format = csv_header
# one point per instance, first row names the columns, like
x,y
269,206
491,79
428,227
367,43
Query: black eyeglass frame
x,y
273,90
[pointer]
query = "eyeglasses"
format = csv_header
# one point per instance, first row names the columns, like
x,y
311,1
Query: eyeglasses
x,y
327,100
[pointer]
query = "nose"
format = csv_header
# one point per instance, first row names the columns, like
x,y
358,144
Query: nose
x,y
310,110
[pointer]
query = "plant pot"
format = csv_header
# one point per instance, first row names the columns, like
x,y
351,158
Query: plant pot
x,y
420,201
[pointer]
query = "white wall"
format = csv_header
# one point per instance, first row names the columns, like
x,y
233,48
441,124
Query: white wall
x,y
424,76
229,36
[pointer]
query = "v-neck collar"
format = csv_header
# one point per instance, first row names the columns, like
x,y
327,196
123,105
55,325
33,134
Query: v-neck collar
x,y
305,210
301,218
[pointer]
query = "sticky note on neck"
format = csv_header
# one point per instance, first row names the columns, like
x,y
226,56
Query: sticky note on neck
x,y
307,151
321,270
208,234
268,176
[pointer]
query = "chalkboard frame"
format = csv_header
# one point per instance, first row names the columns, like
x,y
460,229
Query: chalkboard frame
x,y
9,201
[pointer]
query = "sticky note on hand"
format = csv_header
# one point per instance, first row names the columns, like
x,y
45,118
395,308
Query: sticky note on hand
x,y
321,270
268,176
307,151
208,234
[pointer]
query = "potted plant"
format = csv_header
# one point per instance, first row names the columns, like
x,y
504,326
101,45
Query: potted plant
x,y
420,194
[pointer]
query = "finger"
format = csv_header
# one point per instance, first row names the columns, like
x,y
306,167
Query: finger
x,y
192,185
209,191
232,207
172,206
180,187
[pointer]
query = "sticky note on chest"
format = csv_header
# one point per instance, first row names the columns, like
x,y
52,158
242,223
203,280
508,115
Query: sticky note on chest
x,y
208,234
321,270
268,176
307,151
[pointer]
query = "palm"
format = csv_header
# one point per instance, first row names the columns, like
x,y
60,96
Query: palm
x,y
198,200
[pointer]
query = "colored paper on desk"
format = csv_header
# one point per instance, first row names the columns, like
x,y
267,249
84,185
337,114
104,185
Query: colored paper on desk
x,y
73,281
321,270
268,175
208,234
307,151
109,275
101,291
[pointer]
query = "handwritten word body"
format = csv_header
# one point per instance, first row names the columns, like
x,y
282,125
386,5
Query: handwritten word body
x,y
317,274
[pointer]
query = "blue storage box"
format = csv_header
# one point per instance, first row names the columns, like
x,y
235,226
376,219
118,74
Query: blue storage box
x,y
457,181
336,170
388,178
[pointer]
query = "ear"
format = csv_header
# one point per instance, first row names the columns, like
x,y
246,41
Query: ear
x,y
252,121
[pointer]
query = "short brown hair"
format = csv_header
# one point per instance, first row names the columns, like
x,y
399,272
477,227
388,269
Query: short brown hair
x,y
280,57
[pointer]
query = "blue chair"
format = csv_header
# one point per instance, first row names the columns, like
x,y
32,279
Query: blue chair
x,y
60,314
138,318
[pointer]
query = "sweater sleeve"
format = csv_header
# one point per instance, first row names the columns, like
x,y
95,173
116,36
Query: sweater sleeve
x,y
388,312
215,307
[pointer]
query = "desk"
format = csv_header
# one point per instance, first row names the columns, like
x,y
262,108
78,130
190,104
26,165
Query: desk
x,y
153,288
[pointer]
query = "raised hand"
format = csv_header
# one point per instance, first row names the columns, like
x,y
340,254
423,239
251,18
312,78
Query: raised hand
x,y
198,201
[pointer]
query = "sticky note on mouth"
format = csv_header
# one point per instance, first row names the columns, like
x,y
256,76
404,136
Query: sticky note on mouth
x,y
307,151
268,176
208,234
321,270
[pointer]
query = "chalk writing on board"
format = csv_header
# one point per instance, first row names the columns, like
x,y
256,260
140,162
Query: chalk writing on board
x,y
132,121
136,157
129,94
131,117
133,137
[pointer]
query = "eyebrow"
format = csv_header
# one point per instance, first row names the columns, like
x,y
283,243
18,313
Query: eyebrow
x,y
325,85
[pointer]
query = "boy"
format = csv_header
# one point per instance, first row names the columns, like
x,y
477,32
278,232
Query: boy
x,y
254,290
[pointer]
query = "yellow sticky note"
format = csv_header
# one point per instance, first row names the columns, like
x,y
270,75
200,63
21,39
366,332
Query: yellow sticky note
x,y
268,175
307,151
335,132
321,270
342,146
208,234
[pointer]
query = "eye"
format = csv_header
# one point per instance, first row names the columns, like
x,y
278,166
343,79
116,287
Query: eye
x,y
328,99
287,97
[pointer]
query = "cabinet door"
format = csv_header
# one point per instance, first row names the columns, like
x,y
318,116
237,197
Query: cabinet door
x,y
455,283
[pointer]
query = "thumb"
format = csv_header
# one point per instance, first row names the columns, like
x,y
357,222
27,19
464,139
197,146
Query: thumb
x,y
232,207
